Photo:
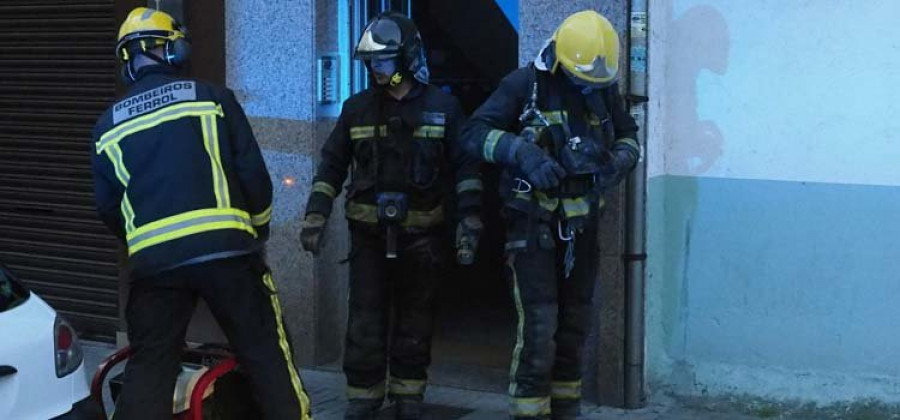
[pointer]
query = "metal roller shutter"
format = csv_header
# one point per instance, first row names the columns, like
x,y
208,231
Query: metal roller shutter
x,y
57,74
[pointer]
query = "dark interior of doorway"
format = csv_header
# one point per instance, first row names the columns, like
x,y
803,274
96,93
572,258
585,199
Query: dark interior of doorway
x,y
471,45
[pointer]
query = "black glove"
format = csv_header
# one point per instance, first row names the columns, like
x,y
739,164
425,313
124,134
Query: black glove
x,y
539,168
468,233
311,232
619,164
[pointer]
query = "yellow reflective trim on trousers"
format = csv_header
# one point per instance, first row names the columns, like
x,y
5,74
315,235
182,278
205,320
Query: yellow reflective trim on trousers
x,y
530,407
211,143
262,218
576,207
324,188
468,185
490,143
302,398
520,328
146,122
406,386
368,213
565,390
186,224
374,393
366,132
115,155
430,132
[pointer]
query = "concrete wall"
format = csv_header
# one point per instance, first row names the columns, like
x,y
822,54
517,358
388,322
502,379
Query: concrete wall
x,y
773,195
269,54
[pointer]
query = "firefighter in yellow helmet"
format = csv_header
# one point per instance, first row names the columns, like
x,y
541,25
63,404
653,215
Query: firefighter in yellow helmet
x,y
179,177
559,129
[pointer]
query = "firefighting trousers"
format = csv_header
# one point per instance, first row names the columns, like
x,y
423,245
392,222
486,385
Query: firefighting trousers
x,y
241,295
391,315
554,314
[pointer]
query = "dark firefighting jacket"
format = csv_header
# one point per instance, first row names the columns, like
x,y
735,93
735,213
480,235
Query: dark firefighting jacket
x,y
178,174
568,113
408,146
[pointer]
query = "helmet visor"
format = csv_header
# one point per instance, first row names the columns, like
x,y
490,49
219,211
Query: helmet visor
x,y
594,75
381,39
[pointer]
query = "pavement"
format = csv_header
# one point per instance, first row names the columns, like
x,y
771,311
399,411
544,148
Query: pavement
x,y
326,389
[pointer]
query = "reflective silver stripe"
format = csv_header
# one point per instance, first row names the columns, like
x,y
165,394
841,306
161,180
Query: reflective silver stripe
x,y
373,393
513,245
469,185
429,132
407,386
530,407
146,236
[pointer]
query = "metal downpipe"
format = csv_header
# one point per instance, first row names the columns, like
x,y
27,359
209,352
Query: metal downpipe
x,y
635,219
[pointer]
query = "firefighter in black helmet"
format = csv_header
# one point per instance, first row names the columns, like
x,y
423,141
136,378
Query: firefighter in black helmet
x,y
401,139
179,177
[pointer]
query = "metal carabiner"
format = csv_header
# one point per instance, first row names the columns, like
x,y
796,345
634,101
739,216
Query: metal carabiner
x,y
569,231
521,182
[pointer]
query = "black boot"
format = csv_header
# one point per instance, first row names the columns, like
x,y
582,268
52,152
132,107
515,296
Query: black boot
x,y
565,409
360,409
409,408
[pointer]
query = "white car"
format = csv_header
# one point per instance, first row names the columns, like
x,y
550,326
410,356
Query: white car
x,y
42,373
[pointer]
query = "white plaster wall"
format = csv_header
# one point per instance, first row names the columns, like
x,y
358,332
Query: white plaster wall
x,y
773,89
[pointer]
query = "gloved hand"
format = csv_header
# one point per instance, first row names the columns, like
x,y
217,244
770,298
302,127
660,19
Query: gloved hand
x,y
311,232
615,169
541,170
468,233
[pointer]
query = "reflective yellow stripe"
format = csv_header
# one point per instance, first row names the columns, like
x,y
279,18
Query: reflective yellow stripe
x,y
566,390
302,398
374,393
429,132
490,144
546,203
324,188
557,117
468,185
368,213
630,142
174,112
366,132
530,407
211,143
407,386
262,218
118,160
576,207
593,119
185,224
127,213
520,328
